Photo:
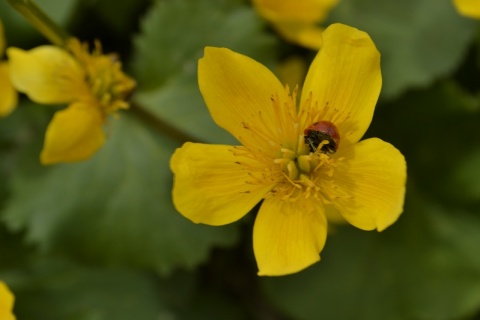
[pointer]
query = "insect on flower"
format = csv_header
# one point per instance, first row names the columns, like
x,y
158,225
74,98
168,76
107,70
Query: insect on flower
x,y
289,156
322,135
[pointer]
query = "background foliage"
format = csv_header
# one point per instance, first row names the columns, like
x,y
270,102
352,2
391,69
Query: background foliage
x,y
101,240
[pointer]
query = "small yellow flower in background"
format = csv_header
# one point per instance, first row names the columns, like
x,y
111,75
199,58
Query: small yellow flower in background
x,y
6,302
296,21
8,95
93,85
468,8
304,162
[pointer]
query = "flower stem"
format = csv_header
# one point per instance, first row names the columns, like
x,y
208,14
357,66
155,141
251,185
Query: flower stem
x,y
160,125
41,21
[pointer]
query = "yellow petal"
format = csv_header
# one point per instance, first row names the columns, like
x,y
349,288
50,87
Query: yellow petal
x,y
210,186
6,302
288,236
8,95
304,34
371,184
344,82
238,92
74,134
47,74
469,8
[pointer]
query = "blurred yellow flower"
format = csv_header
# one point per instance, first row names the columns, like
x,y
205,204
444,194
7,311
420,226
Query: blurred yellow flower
x,y
291,70
6,302
299,176
468,8
93,85
8,95
296,21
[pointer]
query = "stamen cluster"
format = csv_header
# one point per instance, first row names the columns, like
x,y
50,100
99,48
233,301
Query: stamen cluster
x,y
107,83
301,171
290,165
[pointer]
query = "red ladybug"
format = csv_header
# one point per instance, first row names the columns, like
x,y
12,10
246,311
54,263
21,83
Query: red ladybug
x,y
320,131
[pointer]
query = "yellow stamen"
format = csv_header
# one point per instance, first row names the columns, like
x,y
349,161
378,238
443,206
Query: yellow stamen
x,y
297,172
109,86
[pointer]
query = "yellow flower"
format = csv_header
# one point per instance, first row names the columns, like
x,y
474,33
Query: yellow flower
x,y
8,95
296,21
468,8
363,181
6,302
93,85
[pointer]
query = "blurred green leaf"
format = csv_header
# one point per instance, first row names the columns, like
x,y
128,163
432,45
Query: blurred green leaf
x,y
63,291
464,178
18,30
116,207
420,40
214,305
13,252
437,131
426,266
173,37
119,15
19,140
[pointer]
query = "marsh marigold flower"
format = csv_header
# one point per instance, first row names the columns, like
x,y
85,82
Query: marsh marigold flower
x,y
298,181
296,21
8,95
6,303
93,85
468,8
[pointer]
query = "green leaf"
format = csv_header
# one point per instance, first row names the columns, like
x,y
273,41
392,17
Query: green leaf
x,y
214,305
426,266
420,40
173,37
437,131
116,207
181,105
58,290
465,178
119,16
51,287
17,29
19,141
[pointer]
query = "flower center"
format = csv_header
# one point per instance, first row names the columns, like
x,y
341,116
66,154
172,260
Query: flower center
x,y
105,79
302,172
297,158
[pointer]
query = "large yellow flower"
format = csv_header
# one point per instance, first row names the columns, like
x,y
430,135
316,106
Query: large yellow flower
x,y
6,302
468,8
92,84
8,95
363,181
296,21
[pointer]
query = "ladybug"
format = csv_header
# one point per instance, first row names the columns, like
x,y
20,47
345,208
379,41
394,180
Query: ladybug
x,y
320,131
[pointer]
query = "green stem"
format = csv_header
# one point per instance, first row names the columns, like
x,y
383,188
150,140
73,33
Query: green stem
x,y
41,21
160,125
